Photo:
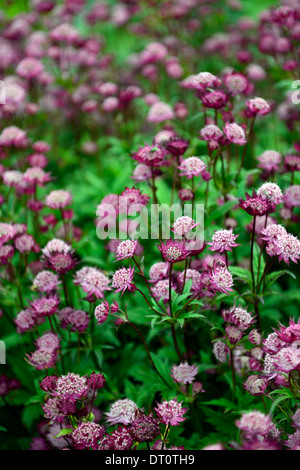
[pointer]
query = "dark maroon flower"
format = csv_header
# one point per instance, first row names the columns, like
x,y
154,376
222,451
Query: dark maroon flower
x,y
96,380
177,146
256,205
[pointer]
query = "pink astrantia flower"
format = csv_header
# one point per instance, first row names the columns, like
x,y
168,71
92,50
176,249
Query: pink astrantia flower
x,y
235,133
221,279
269,160
101,312
183,225
160,112
192,166
256,205
174,251
170,412
58,199
45,306
46,281
42,359
291,196
254,423
258,106
122,411
177,146
93,282
271,192
123,280
126,249
87,435
73,319
71,386
223,240
184,373
150,155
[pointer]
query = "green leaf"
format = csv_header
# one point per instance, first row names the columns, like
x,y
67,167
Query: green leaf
x,y
271,278
64,432
223,402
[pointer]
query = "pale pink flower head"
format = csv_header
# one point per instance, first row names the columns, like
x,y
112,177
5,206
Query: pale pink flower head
x,y
289,333
192,166
183,225
253,423
269,160
223,240
58,256
122,411
271,192
25,243
288,359
65,32
221,351
49,342
150,155
161,289
45,306
160,112
93,282
13,136
273,230
71,386
13,178
26,320
6,232
174,251
73,319
258,106
291,196
142,172
123,280
192,274
110,104
211,132
30,68
286,247
126,249
256,385
36,176
236,83
235,133
170,412
101,312
221,279
184,373
58,199
42,359
46,281
158,271
87,435
200,81
233,334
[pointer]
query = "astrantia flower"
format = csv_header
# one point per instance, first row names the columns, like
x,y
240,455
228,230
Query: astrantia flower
x,y
235,133
221,351
42,359
241,318
214,99
25,243
254,423
183,225
160,112
46,281
101,312
30,68
271,231
6,252
158,271
170,412
174,251
161,289
45,306
48,342
192,166
73,319
87,435
58,199
258,106
221,279
6,232
123,280
211,132
190,274
145,428
37,176
26,320
58,256
184,373
201,81
150,155
142,172
291,163
256,205
96,381
71,385
233,334
126,249
13,136
177,146
271,192
289,333
236,83
288,359
94,283
287,248
256,385
223,240
269,160
291,197
122,411
132,196
120,439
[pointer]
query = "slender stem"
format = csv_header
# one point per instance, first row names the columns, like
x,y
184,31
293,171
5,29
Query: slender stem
x,y
251,260
170,289
232,372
